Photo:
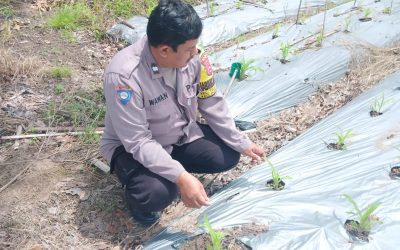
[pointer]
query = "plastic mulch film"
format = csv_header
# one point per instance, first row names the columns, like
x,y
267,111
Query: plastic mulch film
x,y
276,86
227,19
310,212
281,86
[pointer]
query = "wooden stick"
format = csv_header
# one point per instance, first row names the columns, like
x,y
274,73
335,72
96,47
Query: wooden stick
x,y
13,137
100,165
15,178
61,129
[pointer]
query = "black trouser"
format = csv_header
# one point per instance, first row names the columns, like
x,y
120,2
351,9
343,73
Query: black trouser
x,y
150,192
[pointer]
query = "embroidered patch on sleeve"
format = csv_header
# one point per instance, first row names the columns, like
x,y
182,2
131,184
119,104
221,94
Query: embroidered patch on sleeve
x,y
124,94
207,83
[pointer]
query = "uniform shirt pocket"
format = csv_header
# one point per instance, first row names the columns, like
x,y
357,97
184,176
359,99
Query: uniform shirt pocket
x,y
159,118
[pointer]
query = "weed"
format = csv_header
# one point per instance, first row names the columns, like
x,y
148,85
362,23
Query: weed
x,y
72,17
276,177
58,88
246,67
216,237
89,135
120,8
69,36
286,50
365,218
276,30
376,108
60,71
107,206
6,11
150,5
347,22
387,10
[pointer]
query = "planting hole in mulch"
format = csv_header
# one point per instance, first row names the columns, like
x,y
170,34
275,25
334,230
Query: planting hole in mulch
x,y
231,241
365,19
354,232
284,61
270,184
274,36
375,113
334,146
395,172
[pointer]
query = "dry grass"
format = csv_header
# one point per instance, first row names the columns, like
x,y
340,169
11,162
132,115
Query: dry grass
x,y
13,65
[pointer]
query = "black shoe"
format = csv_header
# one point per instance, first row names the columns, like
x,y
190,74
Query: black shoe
x,y
145,218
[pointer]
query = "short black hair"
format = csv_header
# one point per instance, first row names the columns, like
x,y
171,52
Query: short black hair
x,y
173,22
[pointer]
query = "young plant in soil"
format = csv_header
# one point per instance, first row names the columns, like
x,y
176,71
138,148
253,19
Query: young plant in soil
x,y
276,183
275,32
238,4
395,171
376,108
320,38
366,17
246,67
347,22
386,10
340,140
286,50
216,236
361,227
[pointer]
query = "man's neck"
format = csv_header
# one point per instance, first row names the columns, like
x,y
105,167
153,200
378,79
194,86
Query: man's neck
x,y
159,60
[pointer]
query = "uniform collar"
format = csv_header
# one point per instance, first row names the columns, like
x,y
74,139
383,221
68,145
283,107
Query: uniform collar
x,y
151,62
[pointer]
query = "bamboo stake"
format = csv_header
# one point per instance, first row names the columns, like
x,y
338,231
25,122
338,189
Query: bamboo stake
x,y
14,137
298,13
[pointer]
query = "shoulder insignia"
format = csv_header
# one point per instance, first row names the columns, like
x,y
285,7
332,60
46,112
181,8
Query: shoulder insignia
x,y
124,94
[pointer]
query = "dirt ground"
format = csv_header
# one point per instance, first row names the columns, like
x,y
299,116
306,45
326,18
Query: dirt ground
x,y
50,196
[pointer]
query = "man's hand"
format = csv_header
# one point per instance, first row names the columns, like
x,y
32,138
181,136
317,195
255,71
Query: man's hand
x,y
192,191
255,152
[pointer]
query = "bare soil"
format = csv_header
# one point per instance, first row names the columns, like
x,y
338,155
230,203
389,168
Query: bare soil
x,y
51,198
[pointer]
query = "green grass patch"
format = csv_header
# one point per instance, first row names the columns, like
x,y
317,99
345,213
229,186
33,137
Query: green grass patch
x,y
60,71
6,11
72,17
121,8
58,88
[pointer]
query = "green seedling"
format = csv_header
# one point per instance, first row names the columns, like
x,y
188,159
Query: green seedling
x,y
365,218
58,88
238,4
216,237
276,30
347,22
340,140
277,179
376,108
150,5
320,38
246,67
286,50
367,12
387,10
213,8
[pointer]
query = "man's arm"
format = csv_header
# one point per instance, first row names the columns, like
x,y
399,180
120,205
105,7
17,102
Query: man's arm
x,y
214,109
128,118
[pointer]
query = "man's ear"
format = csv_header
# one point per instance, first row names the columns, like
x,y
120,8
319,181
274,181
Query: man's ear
x,y
164,50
